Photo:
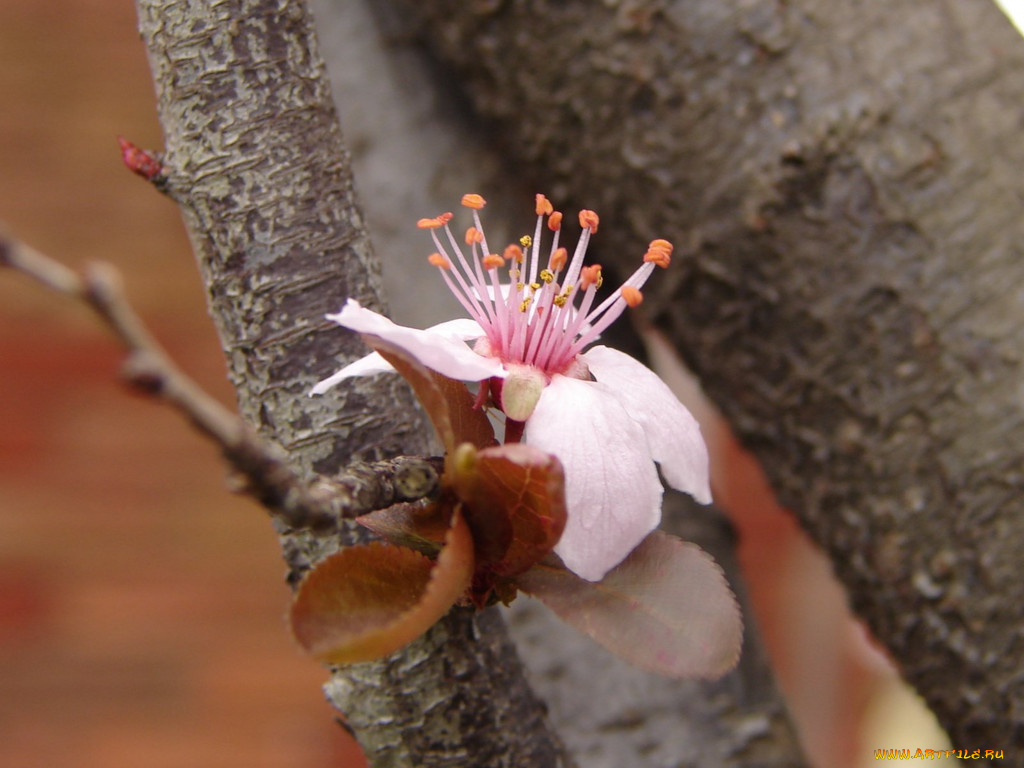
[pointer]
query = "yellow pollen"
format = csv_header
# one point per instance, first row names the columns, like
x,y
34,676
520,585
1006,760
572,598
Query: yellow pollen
x,y
543,205
526,241
473,201
589,220
559,300
474,236
558,259
546,275
525,305
632,296
493,261
439,261
555,221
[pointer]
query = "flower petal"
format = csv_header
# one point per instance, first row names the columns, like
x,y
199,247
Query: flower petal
x,y
372,364
612,489
673,435
461,329
441,349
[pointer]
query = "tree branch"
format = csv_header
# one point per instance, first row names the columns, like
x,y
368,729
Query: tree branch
x,y
838,179
254,156
263,470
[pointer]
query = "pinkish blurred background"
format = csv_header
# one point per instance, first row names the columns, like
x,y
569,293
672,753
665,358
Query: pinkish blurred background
x,y
142,606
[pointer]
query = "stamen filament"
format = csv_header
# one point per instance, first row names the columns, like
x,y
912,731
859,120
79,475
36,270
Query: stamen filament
x,y
533,319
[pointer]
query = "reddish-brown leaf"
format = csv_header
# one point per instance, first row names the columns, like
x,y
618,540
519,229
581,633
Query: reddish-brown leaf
x,y
411,525
514,497
365,602
447,402
666,608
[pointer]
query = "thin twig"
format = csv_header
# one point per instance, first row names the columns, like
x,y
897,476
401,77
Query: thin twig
x,y
263,468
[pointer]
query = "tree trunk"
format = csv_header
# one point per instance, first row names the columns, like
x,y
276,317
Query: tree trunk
x,y
255,158
843,180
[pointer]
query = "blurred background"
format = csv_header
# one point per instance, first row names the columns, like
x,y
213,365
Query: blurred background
x,y
141,605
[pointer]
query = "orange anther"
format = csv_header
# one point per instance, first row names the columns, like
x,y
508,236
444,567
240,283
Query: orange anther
x,y
632,296
590,276
493,261
473,201
474,236
444,218
558,260
429,223
661,245
439,261
589,220
543,205
659,257
555,221
513,253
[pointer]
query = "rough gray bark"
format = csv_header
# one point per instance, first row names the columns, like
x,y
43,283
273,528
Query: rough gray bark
x,y
843,180
255,158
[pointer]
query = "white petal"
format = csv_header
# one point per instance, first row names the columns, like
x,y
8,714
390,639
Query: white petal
x,y
612,488
673,435
461,328
364,366
441,350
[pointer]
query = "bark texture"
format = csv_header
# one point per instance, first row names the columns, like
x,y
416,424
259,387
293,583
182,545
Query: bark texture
x,y
842,183
255,158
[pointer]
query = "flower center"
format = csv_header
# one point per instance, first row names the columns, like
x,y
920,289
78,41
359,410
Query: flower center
x,y
533,319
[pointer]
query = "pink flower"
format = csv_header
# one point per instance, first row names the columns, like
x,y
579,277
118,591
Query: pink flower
x,y
607,418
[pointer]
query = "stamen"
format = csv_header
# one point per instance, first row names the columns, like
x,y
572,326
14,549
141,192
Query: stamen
x,y
435,223
659,252
558,260
591,276
493,261
589,220
439,261
548,330
632,296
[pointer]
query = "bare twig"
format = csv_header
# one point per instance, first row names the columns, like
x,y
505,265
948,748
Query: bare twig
x,y
262,467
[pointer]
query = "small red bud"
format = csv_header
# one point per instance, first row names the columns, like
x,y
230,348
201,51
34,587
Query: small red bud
x,y
138,160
